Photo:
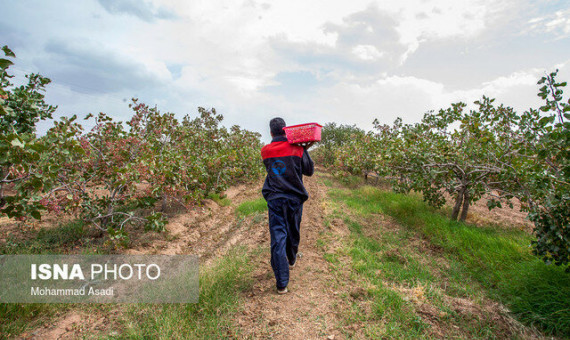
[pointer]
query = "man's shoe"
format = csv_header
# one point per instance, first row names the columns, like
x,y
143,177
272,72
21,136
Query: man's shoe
x,y
282,291
292,265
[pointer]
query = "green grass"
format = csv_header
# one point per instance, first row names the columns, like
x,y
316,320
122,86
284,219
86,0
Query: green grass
x,y
57,240
19,317
251,207
222,201
210,318
499,260
392,317
350,180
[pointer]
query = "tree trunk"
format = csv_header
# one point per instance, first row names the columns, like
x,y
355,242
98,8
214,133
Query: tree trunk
x,y
457,206
2,200
107,219
163,207
465,206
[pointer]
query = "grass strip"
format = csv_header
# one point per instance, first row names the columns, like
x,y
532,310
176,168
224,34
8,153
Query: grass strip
x,y
210,318
499,259
251,207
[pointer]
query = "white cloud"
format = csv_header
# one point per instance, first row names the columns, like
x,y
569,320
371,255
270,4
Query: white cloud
x,y
523,78
426,21
367,52
557,24
410,97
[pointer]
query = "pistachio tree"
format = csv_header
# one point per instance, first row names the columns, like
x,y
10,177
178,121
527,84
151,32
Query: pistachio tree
x,y
21,175
454,151
540,174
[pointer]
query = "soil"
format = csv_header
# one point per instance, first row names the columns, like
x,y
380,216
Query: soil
x,y
73,325
208,231
504,217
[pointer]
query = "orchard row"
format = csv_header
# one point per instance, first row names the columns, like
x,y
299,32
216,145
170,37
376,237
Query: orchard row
x,y
114,174
490,152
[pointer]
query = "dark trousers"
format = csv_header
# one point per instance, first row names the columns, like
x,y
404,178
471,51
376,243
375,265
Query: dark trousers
x,y
284,227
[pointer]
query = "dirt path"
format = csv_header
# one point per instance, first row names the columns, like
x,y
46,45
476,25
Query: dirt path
x,y
308,311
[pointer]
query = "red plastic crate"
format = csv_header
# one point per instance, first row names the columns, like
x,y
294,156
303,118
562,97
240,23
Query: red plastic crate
x,y
303,133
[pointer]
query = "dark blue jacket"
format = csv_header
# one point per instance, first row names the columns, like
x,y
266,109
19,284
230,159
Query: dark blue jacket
x,y
285,164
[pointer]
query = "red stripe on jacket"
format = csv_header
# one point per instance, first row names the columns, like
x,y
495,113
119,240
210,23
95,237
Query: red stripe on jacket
x,y
281,149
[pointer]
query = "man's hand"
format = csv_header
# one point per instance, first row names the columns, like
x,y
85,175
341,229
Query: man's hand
x,y
307,145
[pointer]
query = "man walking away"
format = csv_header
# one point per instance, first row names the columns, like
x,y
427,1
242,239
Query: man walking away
x,y
285,194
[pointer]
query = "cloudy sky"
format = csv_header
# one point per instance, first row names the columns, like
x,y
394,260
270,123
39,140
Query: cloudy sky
x,y
319,60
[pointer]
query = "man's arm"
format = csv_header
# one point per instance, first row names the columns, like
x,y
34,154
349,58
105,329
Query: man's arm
x,y
307,165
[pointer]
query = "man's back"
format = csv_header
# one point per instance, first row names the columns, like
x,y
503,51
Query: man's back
x,y
286,164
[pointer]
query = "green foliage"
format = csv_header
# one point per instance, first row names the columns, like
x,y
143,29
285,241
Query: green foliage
x,y
155,222
493,152
465,154
24,106
334,136
358,155
114,174
158,159
20,150
489,152
541,176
